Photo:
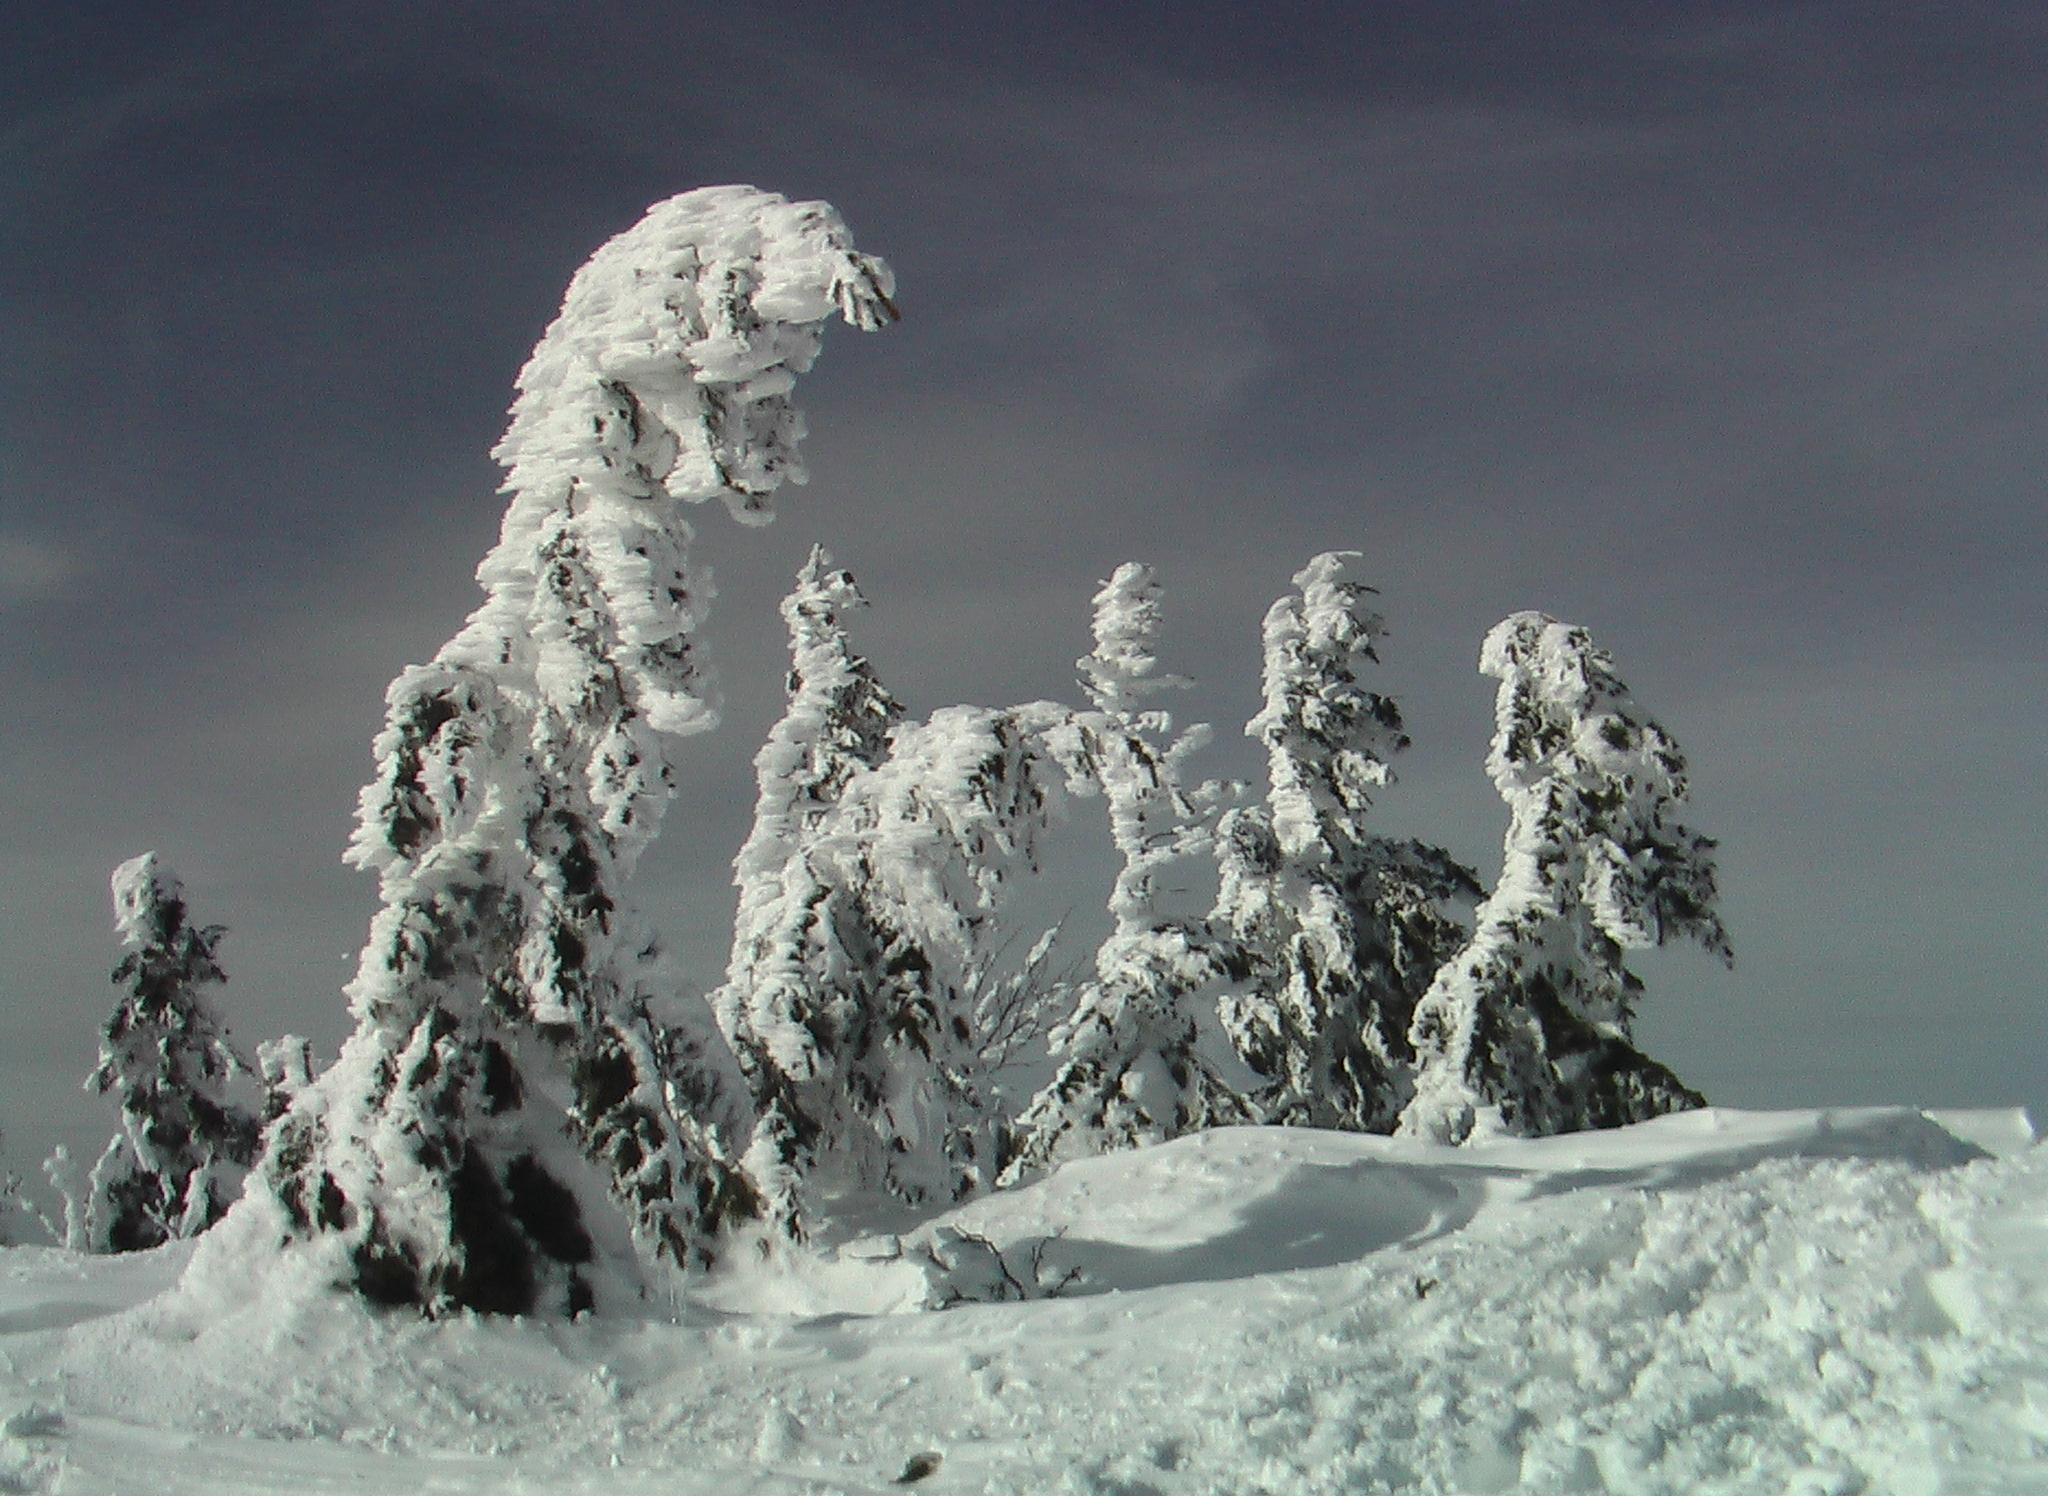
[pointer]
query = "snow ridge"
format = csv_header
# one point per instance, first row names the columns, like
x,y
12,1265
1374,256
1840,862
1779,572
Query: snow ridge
x,y
1713,1304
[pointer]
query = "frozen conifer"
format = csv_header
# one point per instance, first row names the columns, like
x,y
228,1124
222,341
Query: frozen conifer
x,y
852,994
836,725
1131,1063
777,1003
178,1160
519,1065
1334,932
16,1210
1526,1031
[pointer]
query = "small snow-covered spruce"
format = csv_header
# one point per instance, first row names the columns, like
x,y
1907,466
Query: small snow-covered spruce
x,y
519,1067
853,996
178,1160
1526,1032
786,1006
1333,933
16,1208
1131,1063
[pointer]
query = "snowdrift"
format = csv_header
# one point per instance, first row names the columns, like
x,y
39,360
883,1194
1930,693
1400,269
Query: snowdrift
x,y
1799,1302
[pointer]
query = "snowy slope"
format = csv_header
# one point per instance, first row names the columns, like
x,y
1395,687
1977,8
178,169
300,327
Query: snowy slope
x,y
1764,1302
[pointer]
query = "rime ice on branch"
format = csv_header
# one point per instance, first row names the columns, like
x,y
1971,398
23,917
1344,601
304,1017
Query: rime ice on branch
x,y
1526,1031
1335,933
517,1059
183,1147
1131,1063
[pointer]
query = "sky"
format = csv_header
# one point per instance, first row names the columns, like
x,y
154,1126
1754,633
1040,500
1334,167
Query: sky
x,y
1715,328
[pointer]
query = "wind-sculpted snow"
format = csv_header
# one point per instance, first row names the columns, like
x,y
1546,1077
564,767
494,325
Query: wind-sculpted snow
x,y
1715,1302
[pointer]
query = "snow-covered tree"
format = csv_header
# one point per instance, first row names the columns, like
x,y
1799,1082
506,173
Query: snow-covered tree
x,y
1527,1030
784,1016
852,994
1334,933
1132,1067
14,1207
520,1064
184,1145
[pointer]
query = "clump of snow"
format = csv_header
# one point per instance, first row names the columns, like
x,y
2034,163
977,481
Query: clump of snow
x,y
1713,1302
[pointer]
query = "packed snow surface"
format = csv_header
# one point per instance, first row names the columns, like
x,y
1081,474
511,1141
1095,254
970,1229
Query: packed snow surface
x,y
1794,1302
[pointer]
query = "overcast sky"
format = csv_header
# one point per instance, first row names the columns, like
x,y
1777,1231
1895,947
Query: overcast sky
x,y
1717,328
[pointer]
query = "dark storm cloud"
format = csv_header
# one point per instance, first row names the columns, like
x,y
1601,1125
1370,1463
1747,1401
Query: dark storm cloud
x,y
1716,327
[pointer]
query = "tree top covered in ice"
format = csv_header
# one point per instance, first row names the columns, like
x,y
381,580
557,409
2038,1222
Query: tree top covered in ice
x,y
1328,739
706,311
147,893
1121,670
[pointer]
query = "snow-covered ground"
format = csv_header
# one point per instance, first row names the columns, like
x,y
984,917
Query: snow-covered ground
x,y
1809,1302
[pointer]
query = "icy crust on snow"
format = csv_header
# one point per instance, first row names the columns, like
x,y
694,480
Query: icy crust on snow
x,y
1803,1302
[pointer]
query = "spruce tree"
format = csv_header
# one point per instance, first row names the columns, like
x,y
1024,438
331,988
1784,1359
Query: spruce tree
x,y
1132,1065
1526,1031
852,995
787,1017
521,1064
15,1208
184,1145
1334,933
930,846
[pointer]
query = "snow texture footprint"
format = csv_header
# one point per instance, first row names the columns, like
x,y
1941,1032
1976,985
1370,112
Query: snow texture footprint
x,y
31,1455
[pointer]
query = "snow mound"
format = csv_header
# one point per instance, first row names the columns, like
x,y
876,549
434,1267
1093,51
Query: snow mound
x,y
1816,1302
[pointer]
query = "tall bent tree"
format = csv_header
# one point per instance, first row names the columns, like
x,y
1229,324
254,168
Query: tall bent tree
x,y
519,1067
1131,1066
